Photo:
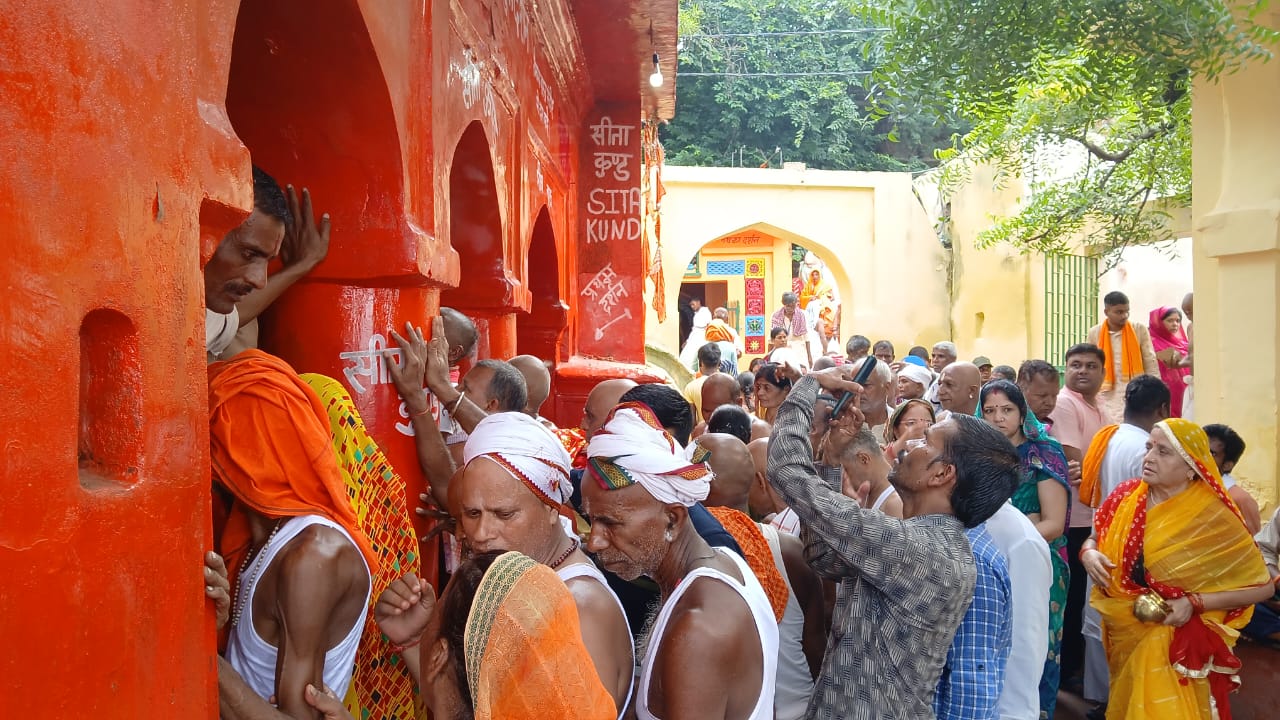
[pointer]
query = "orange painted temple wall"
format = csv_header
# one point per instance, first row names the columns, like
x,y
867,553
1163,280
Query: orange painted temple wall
x,y
456,146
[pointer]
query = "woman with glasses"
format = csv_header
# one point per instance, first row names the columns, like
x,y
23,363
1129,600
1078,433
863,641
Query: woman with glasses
x,y
1044,498
907,423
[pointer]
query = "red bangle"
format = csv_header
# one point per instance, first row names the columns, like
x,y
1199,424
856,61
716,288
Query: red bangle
x,y
420,413
1197,603
1086,549
401,648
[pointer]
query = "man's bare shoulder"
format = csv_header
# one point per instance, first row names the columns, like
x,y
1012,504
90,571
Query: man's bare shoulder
x,y
592,597
322,555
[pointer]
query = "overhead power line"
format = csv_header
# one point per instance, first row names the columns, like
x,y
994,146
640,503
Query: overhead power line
x,y
833,73
787,33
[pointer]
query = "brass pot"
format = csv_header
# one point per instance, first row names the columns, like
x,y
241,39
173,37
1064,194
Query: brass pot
x,y
1151,608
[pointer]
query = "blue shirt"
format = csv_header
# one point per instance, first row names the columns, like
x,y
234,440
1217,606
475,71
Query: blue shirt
x,y
973,676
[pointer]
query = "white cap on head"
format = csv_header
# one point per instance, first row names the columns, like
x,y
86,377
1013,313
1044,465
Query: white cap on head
x,y
527,450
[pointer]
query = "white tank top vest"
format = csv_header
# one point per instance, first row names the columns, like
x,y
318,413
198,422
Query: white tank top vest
x,y
883,496
252,657
794,682
766,627
587,570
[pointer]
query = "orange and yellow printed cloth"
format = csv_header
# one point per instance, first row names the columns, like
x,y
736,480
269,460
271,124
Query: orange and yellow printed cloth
x,y
381,686
524,652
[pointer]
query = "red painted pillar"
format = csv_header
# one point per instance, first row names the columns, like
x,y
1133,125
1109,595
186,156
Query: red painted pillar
x,y
117,162
610,273
314,104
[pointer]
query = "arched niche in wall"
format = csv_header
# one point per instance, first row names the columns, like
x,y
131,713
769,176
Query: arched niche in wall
x,y
539,331
475,227
308,97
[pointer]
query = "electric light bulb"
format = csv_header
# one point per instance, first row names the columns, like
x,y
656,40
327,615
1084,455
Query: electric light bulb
x,y
656,79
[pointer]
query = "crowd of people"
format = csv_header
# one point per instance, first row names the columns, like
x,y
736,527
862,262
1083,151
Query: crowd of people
x,y
940,539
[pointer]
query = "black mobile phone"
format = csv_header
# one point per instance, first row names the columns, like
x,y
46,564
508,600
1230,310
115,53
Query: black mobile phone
x,y
864,372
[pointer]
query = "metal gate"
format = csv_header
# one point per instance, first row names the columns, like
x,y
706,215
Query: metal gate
x,y
1070,303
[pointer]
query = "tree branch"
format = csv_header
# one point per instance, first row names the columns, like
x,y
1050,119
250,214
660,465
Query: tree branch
x,y
1118,157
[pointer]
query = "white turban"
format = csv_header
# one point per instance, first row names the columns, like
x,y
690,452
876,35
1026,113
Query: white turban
x,y
527,450
632,448
915,373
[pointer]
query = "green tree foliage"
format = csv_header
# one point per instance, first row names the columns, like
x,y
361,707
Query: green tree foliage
x,y
770,98
1087,100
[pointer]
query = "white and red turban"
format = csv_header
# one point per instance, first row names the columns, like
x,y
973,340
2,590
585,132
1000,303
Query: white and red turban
x,y
527,450
632,448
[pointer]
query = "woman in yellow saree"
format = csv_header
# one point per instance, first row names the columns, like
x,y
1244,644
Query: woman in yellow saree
x,y
1172,548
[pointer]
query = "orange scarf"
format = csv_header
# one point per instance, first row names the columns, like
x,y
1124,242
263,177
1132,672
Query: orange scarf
x,y
1091,468
759,557
1130,355
270,446
524,653
718,331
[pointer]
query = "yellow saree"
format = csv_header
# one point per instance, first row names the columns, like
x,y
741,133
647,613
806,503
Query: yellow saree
x,y
1192,542
381,687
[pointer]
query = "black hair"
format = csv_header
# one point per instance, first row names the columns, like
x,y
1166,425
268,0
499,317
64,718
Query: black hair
x,y
507,385
988,469
769,373
857,344
1232,443
1085,349
747,381
1115,297
789,297
1010,390
774,333
1145,395
464,326
1004,371
672,410
731,419
920,351
1031,369
455,609
709,355
882,345
268,198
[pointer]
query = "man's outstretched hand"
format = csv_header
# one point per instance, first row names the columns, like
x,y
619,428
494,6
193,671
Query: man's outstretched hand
x,y
404,609
306,243
217,587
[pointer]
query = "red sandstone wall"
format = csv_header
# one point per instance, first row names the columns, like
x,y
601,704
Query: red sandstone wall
x,y
449,149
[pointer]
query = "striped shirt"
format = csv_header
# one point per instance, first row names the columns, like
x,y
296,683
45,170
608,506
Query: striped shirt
x,y
903,584
798,327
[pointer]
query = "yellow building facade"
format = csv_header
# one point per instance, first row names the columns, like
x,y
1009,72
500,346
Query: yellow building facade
x,y
868,229
1236,259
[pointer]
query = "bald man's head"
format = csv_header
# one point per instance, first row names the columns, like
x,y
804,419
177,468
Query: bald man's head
x,y
603,398
958,388
537,378
719,389
734,470
762,500
461,334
